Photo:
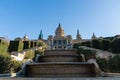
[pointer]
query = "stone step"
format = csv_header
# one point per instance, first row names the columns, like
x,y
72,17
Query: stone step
x,y
60,69
60,52
60,58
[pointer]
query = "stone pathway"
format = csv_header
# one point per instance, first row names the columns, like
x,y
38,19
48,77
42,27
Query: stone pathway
x,y
84,78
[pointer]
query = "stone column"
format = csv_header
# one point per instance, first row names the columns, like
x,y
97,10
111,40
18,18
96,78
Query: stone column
x,y
57,43
48,43
52,43
66,43
62,44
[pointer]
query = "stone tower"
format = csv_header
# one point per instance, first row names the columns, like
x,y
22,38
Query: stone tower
x,y
94,37
40,35
78,36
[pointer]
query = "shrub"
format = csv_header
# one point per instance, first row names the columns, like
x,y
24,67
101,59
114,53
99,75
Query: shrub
x,y
105,44
87,53
111,65
114,64
103,64
5,63
40,52
96,43
16,65
41,43
76,45
29,54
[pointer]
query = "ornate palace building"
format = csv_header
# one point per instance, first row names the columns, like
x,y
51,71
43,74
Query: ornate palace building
x,y
60,41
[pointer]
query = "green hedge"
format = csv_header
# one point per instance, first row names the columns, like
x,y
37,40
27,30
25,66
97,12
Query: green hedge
x,y
26,44
15,46
3,46
31,44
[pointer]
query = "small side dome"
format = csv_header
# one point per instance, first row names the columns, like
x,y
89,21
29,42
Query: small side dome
x,y
50,37
25,37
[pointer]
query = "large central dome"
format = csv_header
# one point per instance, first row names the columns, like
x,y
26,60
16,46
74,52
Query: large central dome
x,y
59,31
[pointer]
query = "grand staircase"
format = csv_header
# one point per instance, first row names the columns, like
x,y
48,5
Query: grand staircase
x,y
60,63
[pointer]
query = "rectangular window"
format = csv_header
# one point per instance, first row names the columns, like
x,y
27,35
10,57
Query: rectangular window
x,y
64,41
59,42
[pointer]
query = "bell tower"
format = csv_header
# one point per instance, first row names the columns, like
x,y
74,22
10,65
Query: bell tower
x,y
40,35
78,36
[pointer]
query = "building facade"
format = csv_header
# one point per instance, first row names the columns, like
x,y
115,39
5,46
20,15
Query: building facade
x,y
60,41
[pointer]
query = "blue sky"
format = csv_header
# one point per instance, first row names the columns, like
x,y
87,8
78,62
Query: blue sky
x,y
20,17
